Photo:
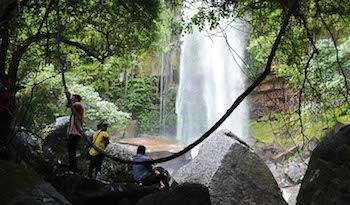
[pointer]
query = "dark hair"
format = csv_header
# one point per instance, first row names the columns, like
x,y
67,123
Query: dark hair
x,y
102,124
78,97
141,149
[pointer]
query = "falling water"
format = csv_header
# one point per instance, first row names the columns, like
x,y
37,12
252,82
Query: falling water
x,y
211,78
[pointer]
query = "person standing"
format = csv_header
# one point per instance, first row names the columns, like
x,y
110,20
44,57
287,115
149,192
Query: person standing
x,y
73,133
100,139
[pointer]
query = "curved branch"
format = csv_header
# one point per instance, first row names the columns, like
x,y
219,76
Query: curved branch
x,y
84,48
302,129
236,103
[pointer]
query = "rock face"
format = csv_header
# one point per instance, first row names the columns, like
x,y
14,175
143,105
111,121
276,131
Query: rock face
x,y
194,194
76,188
85,191
233,173
327,179
118,171
25,148
22,186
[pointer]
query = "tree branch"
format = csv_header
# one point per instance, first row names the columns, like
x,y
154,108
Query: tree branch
x,y
235,104
47,12
84,48
302,130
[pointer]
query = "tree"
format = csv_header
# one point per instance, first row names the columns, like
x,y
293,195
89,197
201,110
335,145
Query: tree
x,y
94,30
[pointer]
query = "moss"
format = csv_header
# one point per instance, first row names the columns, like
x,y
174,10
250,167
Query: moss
x,y
279,132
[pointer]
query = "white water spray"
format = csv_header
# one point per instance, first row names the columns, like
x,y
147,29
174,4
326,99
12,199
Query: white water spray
x,y
211,78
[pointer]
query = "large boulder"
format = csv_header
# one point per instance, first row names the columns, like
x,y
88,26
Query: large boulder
x,y
85,191
55,144
55,147
76,187
23,186
327,179
194,194
26,148
117,171
232,172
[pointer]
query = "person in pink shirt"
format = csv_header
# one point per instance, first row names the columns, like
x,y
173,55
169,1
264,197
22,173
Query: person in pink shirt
x,y
73,133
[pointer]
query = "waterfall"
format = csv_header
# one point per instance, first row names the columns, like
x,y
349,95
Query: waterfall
x,y
210,80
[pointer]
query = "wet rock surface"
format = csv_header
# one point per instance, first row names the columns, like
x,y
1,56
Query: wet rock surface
x,y
327,179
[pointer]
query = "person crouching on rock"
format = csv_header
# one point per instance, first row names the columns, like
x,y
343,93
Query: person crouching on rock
x,y
100,139
144,174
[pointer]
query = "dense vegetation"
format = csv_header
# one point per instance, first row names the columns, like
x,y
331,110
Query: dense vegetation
x,y
105,44
102,44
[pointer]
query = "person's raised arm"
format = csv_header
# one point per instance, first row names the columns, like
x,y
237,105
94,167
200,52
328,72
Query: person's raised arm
x,y
69,95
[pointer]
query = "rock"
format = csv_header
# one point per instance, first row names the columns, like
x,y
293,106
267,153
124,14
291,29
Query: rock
x,y
55,146
76,187
194,194
26,148
290,194
327,179
295,171
312,144
118,171
61,121
119,150
277,171
205,164
286,154
23,186
171,166
232,172
131,129
85,191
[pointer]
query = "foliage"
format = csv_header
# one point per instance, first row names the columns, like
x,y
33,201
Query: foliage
x,y
168,116
98,109
142,100
101,41
49,101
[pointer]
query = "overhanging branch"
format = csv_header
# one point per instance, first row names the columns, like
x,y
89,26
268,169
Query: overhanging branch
x,y
235,104
84,48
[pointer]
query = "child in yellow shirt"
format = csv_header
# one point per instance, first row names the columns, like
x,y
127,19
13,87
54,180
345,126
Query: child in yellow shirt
x,y
101,140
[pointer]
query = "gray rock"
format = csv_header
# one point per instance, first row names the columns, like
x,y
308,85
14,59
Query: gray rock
x,y
202,168
23,186
119,150
327,179
294,172
232,172
26,148
290,194
312,144
194,194
118,171
61,121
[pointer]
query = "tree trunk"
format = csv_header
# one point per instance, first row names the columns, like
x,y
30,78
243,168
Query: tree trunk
x,y
5,39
